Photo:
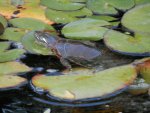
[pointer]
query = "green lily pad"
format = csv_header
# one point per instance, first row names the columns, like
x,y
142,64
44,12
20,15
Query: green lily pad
x,y
140,24
108,6
12,81
66,5
13,34
11,55
139,2
3,21
85,29
30,9
4,46
66,17
17,2
80,1
126,44
13,67
30,44
143,67
81,86
80,13
103,17
58,16
1,28
30,24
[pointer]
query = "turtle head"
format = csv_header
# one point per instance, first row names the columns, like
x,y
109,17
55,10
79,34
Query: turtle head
x,y
45,38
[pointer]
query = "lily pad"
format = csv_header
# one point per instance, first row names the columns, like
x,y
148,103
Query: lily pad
x,y
85,29
1,28
65,5
12,81
66,17
58,16
140,24
81,86
126,44
139,2
103,17
30,9
3,21
143,67
13,34
30,24
17,2
4,46
13,67
109,6
30,44
11,55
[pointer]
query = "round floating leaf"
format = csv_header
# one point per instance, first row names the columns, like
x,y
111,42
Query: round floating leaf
x,y
83,86
3,21
103,17
80,13
1,28
109,6
143,67
30,24
10,81
17,2
59,16
30,9
85,29
30,44
66,5
4,46
13,67
140,24
10,55
139,2
126,44
13,34
80,1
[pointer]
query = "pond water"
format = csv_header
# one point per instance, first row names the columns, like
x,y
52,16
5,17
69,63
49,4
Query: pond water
x,y
25,100
28,99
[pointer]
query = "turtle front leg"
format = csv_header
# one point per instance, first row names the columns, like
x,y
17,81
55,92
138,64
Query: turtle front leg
x,y
66,63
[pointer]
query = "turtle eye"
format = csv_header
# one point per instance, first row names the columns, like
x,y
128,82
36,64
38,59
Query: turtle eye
x,y
44,40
